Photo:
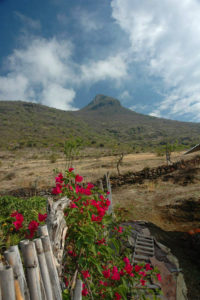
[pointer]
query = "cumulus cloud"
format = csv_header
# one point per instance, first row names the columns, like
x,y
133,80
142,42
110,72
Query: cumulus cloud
x,y
40,72
44,71
164,36
113,67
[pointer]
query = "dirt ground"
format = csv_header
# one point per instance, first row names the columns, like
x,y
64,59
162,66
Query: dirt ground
x,y
169,204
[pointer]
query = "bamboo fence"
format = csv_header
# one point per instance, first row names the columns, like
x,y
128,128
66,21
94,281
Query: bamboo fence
x,y
32,270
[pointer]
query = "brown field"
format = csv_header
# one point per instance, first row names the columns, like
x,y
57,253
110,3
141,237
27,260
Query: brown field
x,y
170,204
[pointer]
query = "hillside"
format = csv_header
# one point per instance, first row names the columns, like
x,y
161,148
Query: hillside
x,y
103,122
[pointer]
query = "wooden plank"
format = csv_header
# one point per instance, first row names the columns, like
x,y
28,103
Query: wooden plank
x,y
141,257
144,247
7,283
144,251
43,269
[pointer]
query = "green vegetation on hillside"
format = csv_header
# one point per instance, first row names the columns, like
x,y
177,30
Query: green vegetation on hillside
x,y
103,123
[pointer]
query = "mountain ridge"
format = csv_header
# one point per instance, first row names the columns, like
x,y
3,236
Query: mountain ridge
x,y
104,121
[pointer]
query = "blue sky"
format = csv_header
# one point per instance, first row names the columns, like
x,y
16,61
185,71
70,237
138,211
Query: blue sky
x,y
61,53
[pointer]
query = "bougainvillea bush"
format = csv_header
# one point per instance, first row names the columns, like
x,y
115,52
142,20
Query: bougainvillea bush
x,y
19,219
95,246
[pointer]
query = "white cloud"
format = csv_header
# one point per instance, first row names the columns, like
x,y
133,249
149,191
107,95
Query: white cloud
x,y
88,20
56,96
27,21
113,67
164,35
44,71
40,72
125,95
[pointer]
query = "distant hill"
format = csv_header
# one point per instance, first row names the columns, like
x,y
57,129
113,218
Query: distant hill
x,y
104,122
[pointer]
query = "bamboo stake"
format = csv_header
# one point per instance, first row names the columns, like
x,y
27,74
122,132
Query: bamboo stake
x,y
12,261
7,283
78,290
20,274
51,268
31,270
43,269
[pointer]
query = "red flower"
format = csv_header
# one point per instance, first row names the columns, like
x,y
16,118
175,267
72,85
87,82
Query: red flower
x,y
78,178
19,219
73,205
117,296
41,217
137,268
90,185
57,190
142,281
159,277
85,274
14,214
71,169
128,268
106,273
59,179
33,226
17,225
84,290
126,260
148,267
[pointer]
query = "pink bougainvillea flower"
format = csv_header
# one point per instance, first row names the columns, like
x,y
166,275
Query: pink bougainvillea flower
x,y
59,179
142,281
159,277
128,268
71,169
85,274
14,214
78,178
66,281
142,273
137,268
57,190
126,260
106,273
84,290
148,267
42,217
120,229
101,242
73,205
117,296
19,218
33,226
17,224
90,185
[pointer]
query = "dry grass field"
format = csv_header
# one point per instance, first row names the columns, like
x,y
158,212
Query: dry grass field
x,y
168,204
